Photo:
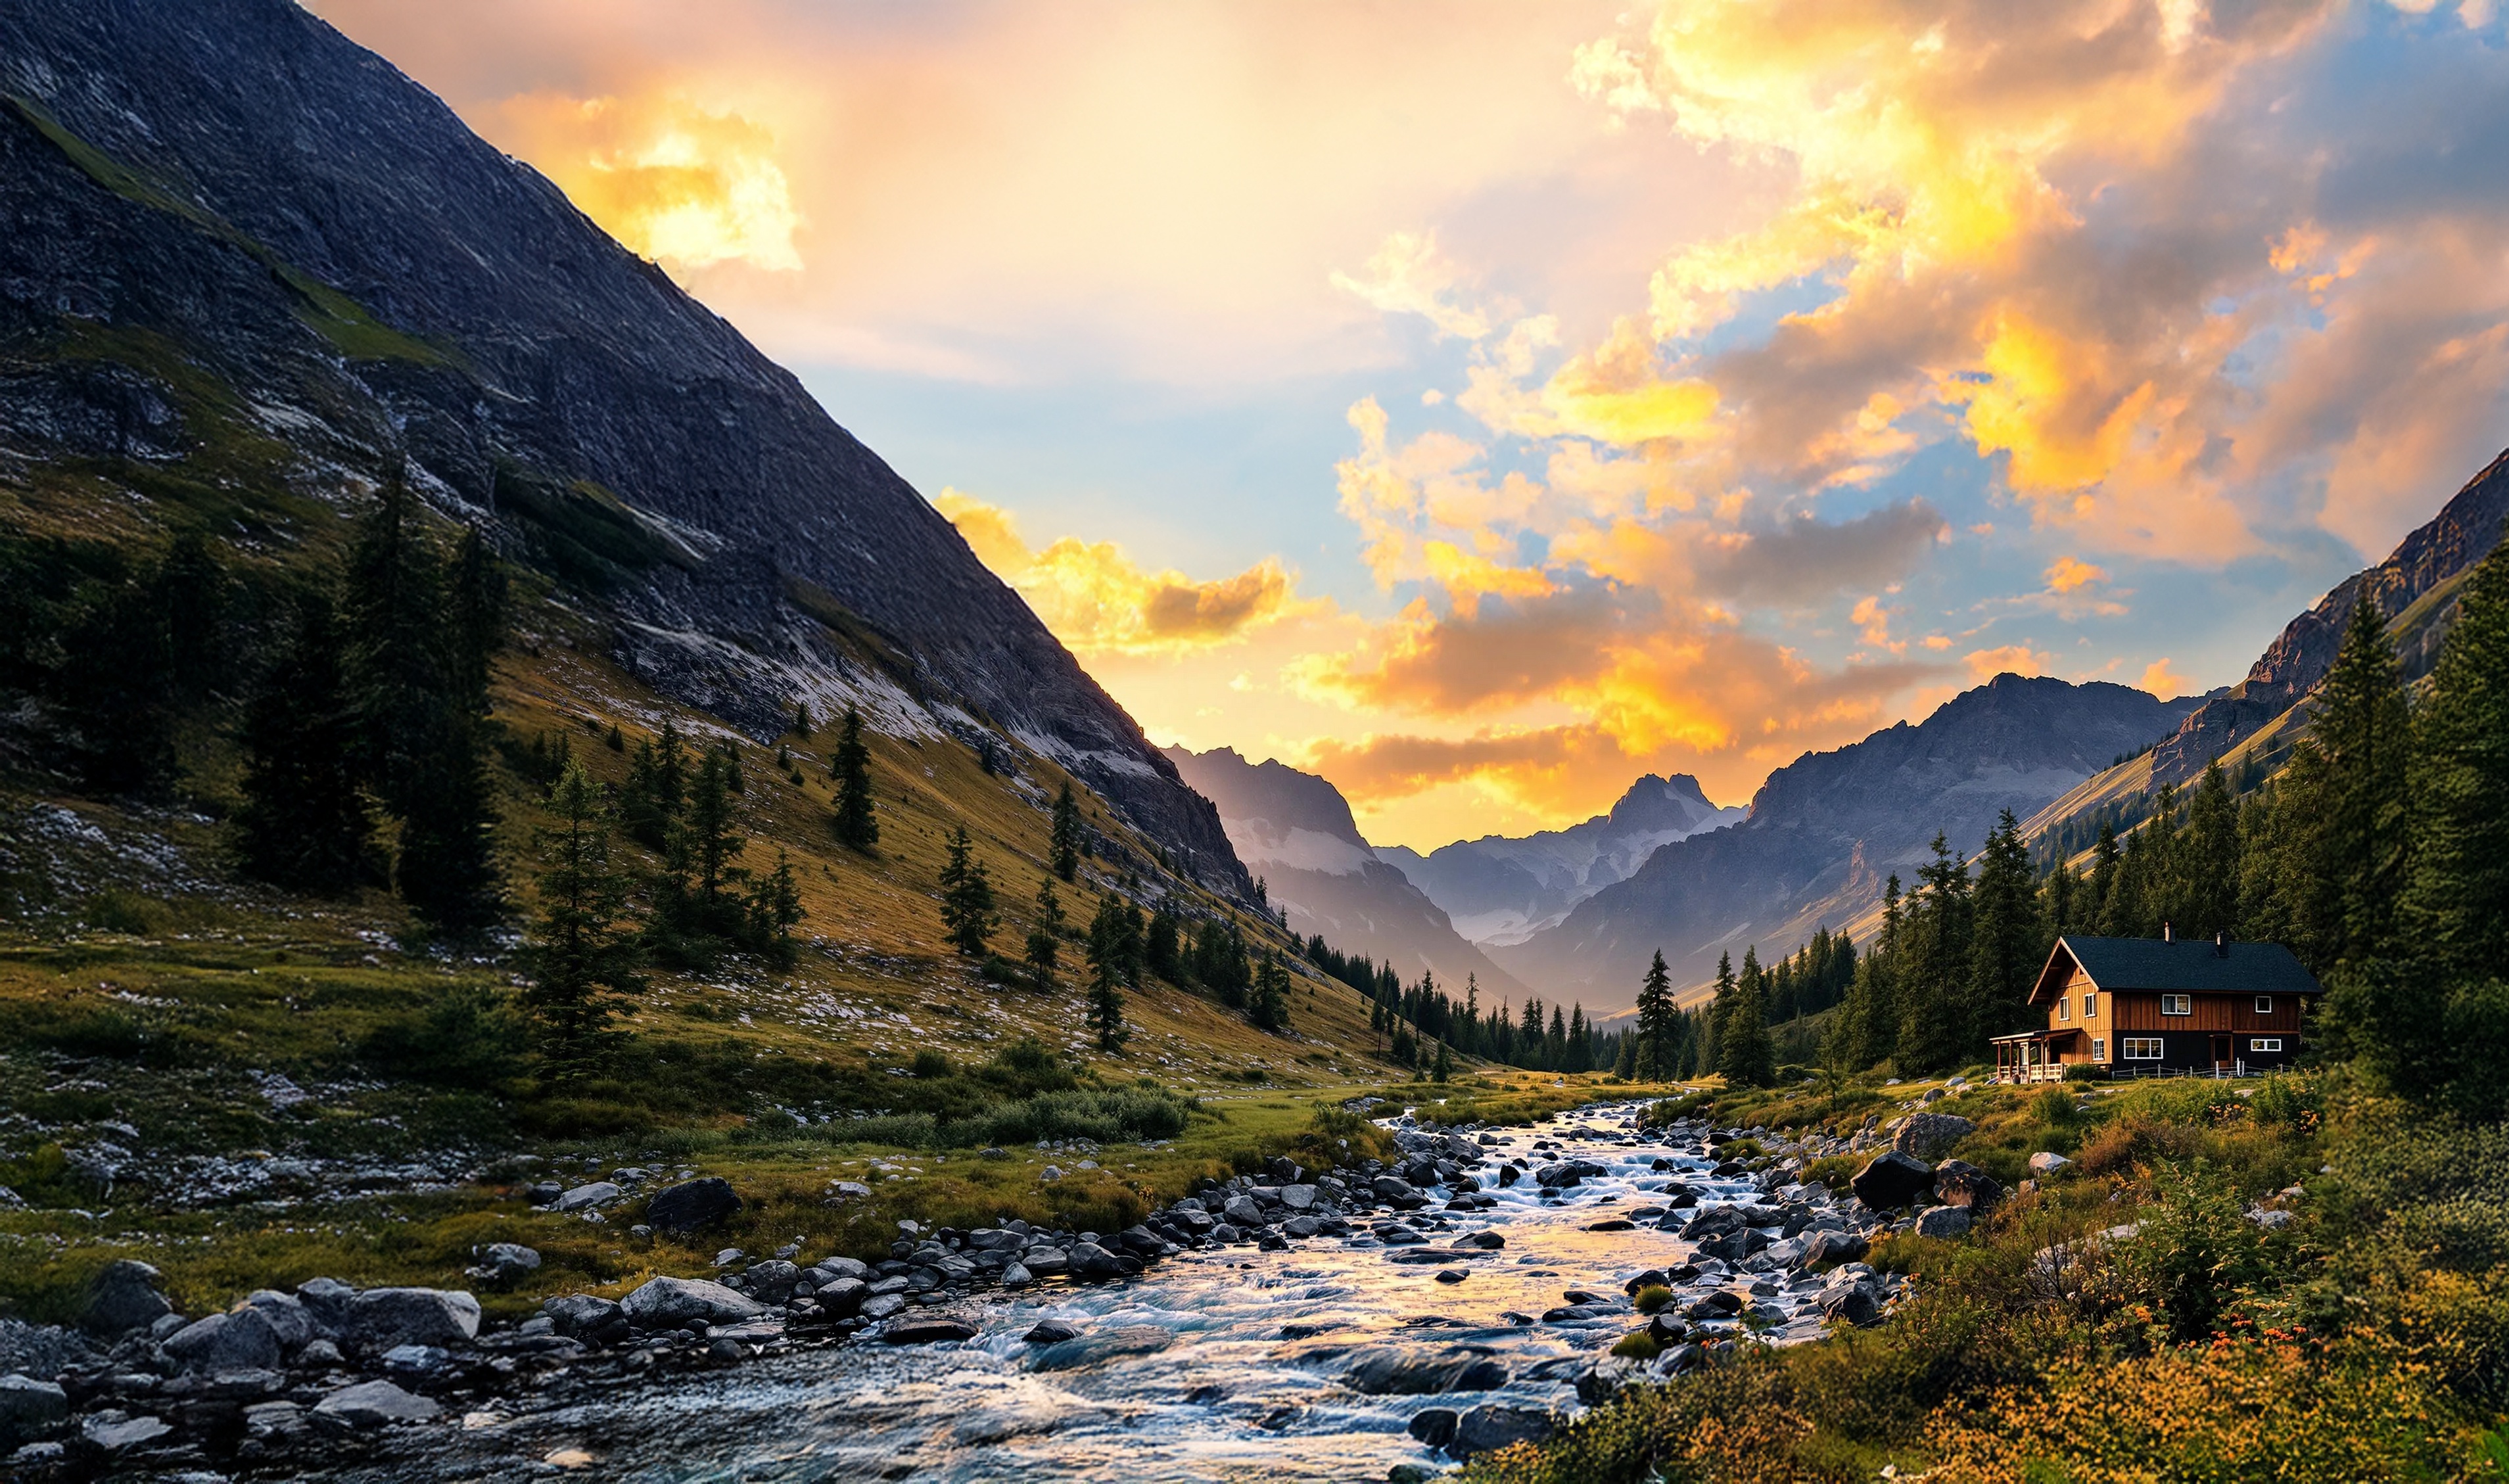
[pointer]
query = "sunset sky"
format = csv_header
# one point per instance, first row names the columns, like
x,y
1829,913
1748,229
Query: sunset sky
x,y
1484,403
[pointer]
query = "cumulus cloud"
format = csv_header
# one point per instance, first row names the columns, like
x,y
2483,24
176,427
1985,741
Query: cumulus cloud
x,y
2161,681
681,184
1097,600
2006,659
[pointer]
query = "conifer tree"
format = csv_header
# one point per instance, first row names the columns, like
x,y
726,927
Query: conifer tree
x,y
1105,1009
699,911
1045,941
1063,848
304,824
2363,726
967,897
1443,1067
2006,947
583,965
857,816
1625,1067
773,910
1161,950
1655,1030
2455,902
1269,1009
2207,894
1744,1053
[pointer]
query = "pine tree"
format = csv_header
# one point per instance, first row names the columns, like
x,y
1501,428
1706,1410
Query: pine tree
x,y
1443,1067
1063,848
967,897
1269,1009
2362,724
1934,1025
773,910
699,911
857,816
1744,1053
1106,1010
2207,894
1161,950
802,719
583,965
1655,1030
304,824
1045,941
1625,1065
2006,946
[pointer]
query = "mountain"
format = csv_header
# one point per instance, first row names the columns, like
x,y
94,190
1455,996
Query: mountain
x,y
253,269
1295,831
1826,830
1501,891
2258,719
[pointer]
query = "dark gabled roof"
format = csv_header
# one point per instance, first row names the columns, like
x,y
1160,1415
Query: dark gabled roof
x,y
2189,964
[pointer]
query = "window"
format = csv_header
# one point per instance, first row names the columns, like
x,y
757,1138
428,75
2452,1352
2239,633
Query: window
x,y
2090,1007
2264,1004
2264,1043
2064,1008
2143,1048
2099,1049
2178,1004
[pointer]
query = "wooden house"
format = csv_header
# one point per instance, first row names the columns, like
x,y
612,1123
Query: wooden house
x,y
2144,1007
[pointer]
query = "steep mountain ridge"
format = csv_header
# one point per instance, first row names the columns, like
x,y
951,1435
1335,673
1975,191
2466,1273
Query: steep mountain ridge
x,y
1296,830
255,256
1501,891
1826,830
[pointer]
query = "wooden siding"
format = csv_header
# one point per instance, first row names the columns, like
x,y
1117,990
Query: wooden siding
x,y
2237,1013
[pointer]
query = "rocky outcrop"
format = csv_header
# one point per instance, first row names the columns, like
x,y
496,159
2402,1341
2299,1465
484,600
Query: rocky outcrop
x,y
239,237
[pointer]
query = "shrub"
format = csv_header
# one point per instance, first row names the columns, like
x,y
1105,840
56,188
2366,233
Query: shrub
x,y
467,1039
2195,1251
2083,1071
1654,1298
1637,1345
931,1064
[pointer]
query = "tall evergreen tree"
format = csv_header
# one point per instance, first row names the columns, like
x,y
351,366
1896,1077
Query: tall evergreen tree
x,y
2367,734
1656,1029
1269,1009
2207,894
1063,844
967,898
1744,1053
1104,1013
304,824
1045,941
2455,902
1935,1024
582,963
2006,944
857,816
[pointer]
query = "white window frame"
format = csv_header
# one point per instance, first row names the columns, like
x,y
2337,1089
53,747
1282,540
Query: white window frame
x,y
2099,1048
2178,1004
2064,1008
2264,1004
2264,1043
2090,1007
2142,1048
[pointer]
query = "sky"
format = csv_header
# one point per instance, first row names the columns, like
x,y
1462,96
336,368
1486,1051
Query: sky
x,y
1484,404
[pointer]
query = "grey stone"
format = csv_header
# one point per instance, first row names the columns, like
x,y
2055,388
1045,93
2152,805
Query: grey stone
x,y
286,1314
381,1318
1433,1427
1497,1425
930,1329
880,1306
131,1432
2048,1161
506,1261
586,1316
1850,1304
842,1298
669,1303
1943,1222
1015,1276
771,1282
587,1196
1393,1188
123,1297
327,1300
1092,1263
841,1266
1929,1136
1890,1182
1051,1332
1832,1247
1299,1198
691,1205
31,1408
375,1405
238,1339
1242,1211
319,1353
1391,1371
40,1351
1958,1182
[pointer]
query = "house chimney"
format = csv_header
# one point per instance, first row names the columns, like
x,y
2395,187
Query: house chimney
x,y
2221,943
2168,934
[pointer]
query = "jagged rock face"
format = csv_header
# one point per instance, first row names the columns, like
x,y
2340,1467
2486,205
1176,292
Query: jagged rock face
x,y
1501,891
536,376
1827,829
2449,546
1295,831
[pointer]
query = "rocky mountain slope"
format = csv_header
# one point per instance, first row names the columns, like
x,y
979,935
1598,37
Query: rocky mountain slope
x,y
253,269
2258,719
1295,831
1501,891
1826,830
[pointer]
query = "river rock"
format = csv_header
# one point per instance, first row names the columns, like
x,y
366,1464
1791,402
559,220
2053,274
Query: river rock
x,y
131,1432
502,1262
878,1307
1015,1277
1850,1304
1092,1263
242,1339
1046,1262
1051,1332
327,1300
125,1297
1891,1180
842,1298
1496,1425
31,1408
1927,1137
382,1319
771,1282
685,1207
1241,1213
1435,1426
286,1314
1829,1248
929,1329
374,1404
1299,1198
587,1196
1393,1371
670,1302
1943,1222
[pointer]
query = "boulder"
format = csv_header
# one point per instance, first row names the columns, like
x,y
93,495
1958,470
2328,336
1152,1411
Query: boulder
x,y
1299,1198
375,1405
131,1432
842,1298
1046,1262
584,1198
1929,1136
1943,1222
771,1282
1496,1425
1850,1304
286,1314
384,1318
2048,1161
1394,1371
1241,1213
1014,1277
586,1316
928,1330
670,1302
125,1297
31,1408
1435,1426
839,1266
502,1262
1890,1182
1958,1182
1051,1332
327,1300
1091,1263
242,1339
695,1203
1829,1248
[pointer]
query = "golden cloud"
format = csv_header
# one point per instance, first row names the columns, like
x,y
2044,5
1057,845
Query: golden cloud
x,y
2013,658
2068,574
680,184
1408,275
1098,601
2161,681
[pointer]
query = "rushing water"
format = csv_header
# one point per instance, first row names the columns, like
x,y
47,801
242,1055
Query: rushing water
x,y
1215,1365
